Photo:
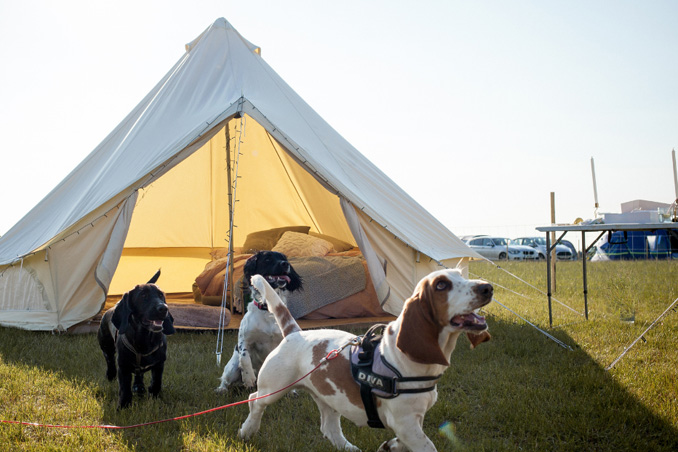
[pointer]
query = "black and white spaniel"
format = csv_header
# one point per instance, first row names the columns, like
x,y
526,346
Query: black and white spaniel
x,y
258,333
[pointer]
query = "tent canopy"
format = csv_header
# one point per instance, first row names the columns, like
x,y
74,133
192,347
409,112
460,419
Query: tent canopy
x,y
157,192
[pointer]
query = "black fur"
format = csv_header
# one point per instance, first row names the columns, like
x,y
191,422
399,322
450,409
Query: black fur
x,y
142,317
272,265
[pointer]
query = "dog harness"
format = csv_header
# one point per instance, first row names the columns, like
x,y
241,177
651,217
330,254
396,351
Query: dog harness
x,y
139,356
377,377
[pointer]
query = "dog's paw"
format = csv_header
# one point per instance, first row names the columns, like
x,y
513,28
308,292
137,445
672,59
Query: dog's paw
x,y
242,435
258,284
124,402
249,381
139,389
392,445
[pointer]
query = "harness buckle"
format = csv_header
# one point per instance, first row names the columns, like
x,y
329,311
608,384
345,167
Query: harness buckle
x,y
394,390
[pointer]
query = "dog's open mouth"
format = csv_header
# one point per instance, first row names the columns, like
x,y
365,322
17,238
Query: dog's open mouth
x,y
278,281
153,325
470,321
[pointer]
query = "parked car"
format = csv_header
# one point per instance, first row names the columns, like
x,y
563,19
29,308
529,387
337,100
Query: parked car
x,y
575,252
563,252
499,248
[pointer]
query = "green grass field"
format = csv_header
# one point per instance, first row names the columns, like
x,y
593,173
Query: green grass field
x,y
521,391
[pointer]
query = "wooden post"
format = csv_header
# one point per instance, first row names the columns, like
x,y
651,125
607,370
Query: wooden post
x,y
548,277
586,284
553,243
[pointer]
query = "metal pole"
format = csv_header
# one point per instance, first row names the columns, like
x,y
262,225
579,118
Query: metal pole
x,y
548,275
586,290
229,182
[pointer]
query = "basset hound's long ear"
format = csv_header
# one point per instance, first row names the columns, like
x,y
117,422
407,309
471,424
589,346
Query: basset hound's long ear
x,y
421,327
478,338
121,314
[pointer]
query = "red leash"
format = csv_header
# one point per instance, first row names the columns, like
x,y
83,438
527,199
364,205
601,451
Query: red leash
x,y
331,355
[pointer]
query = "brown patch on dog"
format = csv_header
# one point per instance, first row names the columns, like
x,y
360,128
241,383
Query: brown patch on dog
x,y
424,316
287,322
335,373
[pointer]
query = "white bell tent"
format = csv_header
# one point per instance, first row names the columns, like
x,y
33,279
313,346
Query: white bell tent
x,y
221,133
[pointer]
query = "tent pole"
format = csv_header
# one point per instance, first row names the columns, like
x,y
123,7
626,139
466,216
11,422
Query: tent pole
x,y
230,217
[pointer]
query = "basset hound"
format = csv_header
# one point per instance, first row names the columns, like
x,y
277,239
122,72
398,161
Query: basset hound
x,y
418,343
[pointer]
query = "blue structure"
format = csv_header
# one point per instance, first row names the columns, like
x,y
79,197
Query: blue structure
x,y
632,245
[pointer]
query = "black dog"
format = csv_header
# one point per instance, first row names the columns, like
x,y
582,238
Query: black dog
x,y
136,327
275,268
258,333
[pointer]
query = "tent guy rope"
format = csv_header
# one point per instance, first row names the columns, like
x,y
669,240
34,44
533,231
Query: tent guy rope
x,y
554,339
642,336
539,290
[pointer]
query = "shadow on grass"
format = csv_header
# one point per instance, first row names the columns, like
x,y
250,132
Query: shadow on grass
x,y
519,391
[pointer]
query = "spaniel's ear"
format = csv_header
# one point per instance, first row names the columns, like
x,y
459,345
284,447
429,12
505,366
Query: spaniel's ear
x,y
478,338
250,267
296,283
420,329
122,313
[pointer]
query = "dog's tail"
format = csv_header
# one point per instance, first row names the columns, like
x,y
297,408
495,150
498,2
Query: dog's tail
x,y
282,315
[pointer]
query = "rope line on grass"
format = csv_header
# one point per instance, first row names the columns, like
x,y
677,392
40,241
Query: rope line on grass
x,y
642,335
554,339
521,295
539,290
331,355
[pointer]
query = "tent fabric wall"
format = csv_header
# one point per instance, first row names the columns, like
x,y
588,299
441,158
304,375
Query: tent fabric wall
x,y
63,284
179,218
170,141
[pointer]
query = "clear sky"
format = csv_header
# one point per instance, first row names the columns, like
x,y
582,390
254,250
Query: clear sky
x,y
479,109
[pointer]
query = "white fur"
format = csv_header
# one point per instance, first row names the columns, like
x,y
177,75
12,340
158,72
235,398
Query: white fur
x,y
257,336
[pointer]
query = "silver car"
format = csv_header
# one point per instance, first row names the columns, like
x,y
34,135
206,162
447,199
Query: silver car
x,y
563,253
499,248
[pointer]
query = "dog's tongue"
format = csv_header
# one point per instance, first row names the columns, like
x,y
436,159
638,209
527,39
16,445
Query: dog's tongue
x,y
153,324
469,321
279,277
